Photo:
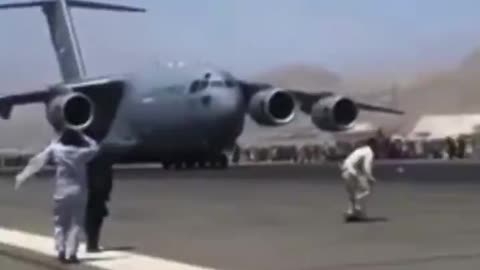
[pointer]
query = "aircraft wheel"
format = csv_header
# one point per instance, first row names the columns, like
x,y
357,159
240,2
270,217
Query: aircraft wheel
x,y
223,161
167,165
178,165
220,162
202,164
211,163
190,164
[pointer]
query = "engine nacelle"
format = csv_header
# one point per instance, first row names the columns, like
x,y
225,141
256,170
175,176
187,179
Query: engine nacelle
x,y
335,113
272,107
72,110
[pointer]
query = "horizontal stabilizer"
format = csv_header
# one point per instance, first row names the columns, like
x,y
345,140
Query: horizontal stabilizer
x,y
104,6
62,30
74,3
25,4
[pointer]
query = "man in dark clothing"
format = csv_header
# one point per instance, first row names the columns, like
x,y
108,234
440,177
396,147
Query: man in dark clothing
x,y
236,154
100,183
451,147
461,145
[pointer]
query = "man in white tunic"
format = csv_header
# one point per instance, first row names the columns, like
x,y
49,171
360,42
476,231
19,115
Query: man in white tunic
x,y
357,173
69,153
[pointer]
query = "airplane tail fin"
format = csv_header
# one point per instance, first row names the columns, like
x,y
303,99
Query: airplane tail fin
x,y
62,31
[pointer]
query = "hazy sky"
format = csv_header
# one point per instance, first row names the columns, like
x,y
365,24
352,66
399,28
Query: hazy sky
x,y
249,36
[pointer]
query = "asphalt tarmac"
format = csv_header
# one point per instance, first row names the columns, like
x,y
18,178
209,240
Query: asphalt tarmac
x,y
279,217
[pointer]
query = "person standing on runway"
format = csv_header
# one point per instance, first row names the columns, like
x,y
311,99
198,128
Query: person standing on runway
x,y
357,174
100,183
451,147
70,153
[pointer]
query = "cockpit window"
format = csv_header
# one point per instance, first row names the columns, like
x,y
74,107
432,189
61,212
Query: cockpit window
x,y
198,85
175,89
218,83
230,83
202,84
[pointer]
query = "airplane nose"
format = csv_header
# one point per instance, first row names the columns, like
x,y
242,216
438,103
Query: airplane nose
x,y
226,101
226,113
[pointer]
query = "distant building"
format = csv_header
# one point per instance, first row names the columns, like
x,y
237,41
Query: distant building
x,y
360,131
438,127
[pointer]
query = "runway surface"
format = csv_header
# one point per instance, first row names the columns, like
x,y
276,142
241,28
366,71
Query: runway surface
x,y
271,218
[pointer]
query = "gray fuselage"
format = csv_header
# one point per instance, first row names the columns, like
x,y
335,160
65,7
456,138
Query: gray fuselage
x,y
181,112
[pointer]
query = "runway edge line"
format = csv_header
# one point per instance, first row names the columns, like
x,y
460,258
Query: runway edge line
x,y
111,260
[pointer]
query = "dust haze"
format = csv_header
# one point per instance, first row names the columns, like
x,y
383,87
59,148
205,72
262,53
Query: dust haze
x,y
449,89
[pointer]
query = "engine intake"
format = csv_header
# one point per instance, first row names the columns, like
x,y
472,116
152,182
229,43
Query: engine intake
x,y
272,107
74,111
334,113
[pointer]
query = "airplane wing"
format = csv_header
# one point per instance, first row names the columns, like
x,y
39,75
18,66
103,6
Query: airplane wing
x,y
273,106
306,100
88,87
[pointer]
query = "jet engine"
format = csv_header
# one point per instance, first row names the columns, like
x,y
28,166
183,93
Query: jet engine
x,y
334,113
72,110
272,107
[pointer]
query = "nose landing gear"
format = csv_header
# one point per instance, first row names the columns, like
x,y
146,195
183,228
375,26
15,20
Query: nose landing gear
x,y
219,162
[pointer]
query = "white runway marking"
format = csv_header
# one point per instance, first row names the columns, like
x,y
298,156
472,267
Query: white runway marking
x,y
111,260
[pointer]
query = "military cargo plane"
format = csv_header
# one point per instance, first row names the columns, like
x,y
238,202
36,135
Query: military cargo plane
x,y
179,114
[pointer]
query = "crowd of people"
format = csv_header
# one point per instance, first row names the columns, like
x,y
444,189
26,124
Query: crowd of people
x,y
387,147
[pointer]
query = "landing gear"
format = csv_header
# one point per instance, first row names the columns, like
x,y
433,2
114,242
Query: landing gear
x,y
167,165
212,162
178,165
216,162
221,162
202,164
190,164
